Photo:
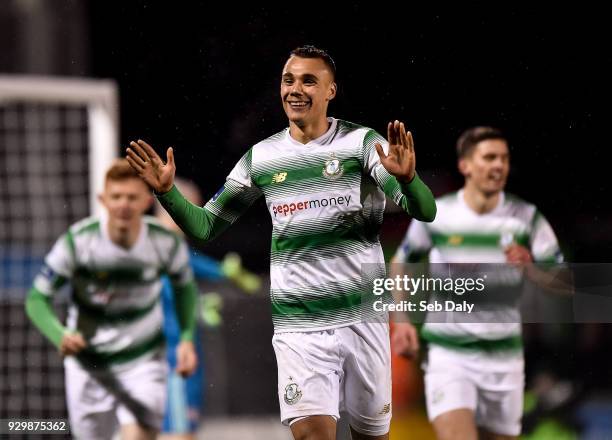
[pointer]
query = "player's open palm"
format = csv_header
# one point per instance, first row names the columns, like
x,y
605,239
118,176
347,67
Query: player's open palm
x,y
143,158
400,162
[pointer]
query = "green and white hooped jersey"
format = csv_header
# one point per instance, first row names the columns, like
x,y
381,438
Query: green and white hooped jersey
x,y
460,235
115,291
326,199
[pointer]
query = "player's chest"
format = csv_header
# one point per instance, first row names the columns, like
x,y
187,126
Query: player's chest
x,y
301,170
460,229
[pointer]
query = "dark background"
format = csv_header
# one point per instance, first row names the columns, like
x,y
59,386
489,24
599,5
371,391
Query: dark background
x,y
207,83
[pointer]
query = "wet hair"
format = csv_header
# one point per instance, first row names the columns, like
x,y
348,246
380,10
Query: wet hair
x,y
472,136
309,51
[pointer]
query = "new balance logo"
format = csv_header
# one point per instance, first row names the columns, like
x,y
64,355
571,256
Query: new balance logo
x,y
386,409
279,177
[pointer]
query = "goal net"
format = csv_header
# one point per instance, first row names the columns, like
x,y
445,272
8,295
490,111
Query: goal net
x,y
57,138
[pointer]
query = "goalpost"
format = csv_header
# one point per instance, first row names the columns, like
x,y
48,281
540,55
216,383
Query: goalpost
x,y
57,138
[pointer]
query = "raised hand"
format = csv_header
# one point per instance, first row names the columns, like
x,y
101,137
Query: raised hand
x,y
150,167
400,162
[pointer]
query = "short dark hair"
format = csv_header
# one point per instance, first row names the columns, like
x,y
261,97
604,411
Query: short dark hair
x,y
472,136
309,51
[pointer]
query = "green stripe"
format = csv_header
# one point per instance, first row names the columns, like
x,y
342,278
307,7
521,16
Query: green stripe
x,y
534,220
125,275
233,201
93,226
317,225
330,304
155,228
342,250
466,343
71,247
348,166
58,281
320,290
389,183
93,359
101,314
347,183
474,240
354,233
317,305
550,259
229,201
269,165
370,139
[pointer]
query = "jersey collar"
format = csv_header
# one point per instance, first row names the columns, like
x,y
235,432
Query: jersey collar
x,y
325,138
462,202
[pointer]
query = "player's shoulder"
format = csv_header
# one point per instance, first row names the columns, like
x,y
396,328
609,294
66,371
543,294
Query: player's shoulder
x,y
345,126
156,229
519,206
266,149
275,139
87,226
448,200
351,129
448,210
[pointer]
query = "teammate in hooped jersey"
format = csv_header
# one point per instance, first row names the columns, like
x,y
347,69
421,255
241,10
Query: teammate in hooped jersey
x,y
331,348
113,344
482,393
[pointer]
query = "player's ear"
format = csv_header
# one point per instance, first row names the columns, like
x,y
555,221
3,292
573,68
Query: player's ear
x,y
150,201
333,88
463,167
101,199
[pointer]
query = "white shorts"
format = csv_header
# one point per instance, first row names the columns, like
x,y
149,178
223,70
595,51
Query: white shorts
x,y
491,385
322,372
101,401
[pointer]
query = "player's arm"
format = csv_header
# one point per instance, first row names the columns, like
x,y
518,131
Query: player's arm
x,y
185,303
543,248
185,292
41,313
416,243
201,223
394,171
53,275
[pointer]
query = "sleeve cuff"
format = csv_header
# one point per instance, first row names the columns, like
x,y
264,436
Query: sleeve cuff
x,y
167,195
410,187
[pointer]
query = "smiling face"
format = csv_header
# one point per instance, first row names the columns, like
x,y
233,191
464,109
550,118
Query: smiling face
x,y
307,86
486,168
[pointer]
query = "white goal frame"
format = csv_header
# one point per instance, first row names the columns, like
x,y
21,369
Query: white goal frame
x,y
101,98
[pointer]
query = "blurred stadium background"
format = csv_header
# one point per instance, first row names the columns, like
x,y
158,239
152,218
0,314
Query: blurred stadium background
x,y
79,79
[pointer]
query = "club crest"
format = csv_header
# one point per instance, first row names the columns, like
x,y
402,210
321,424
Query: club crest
x,y
292,394
333,168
